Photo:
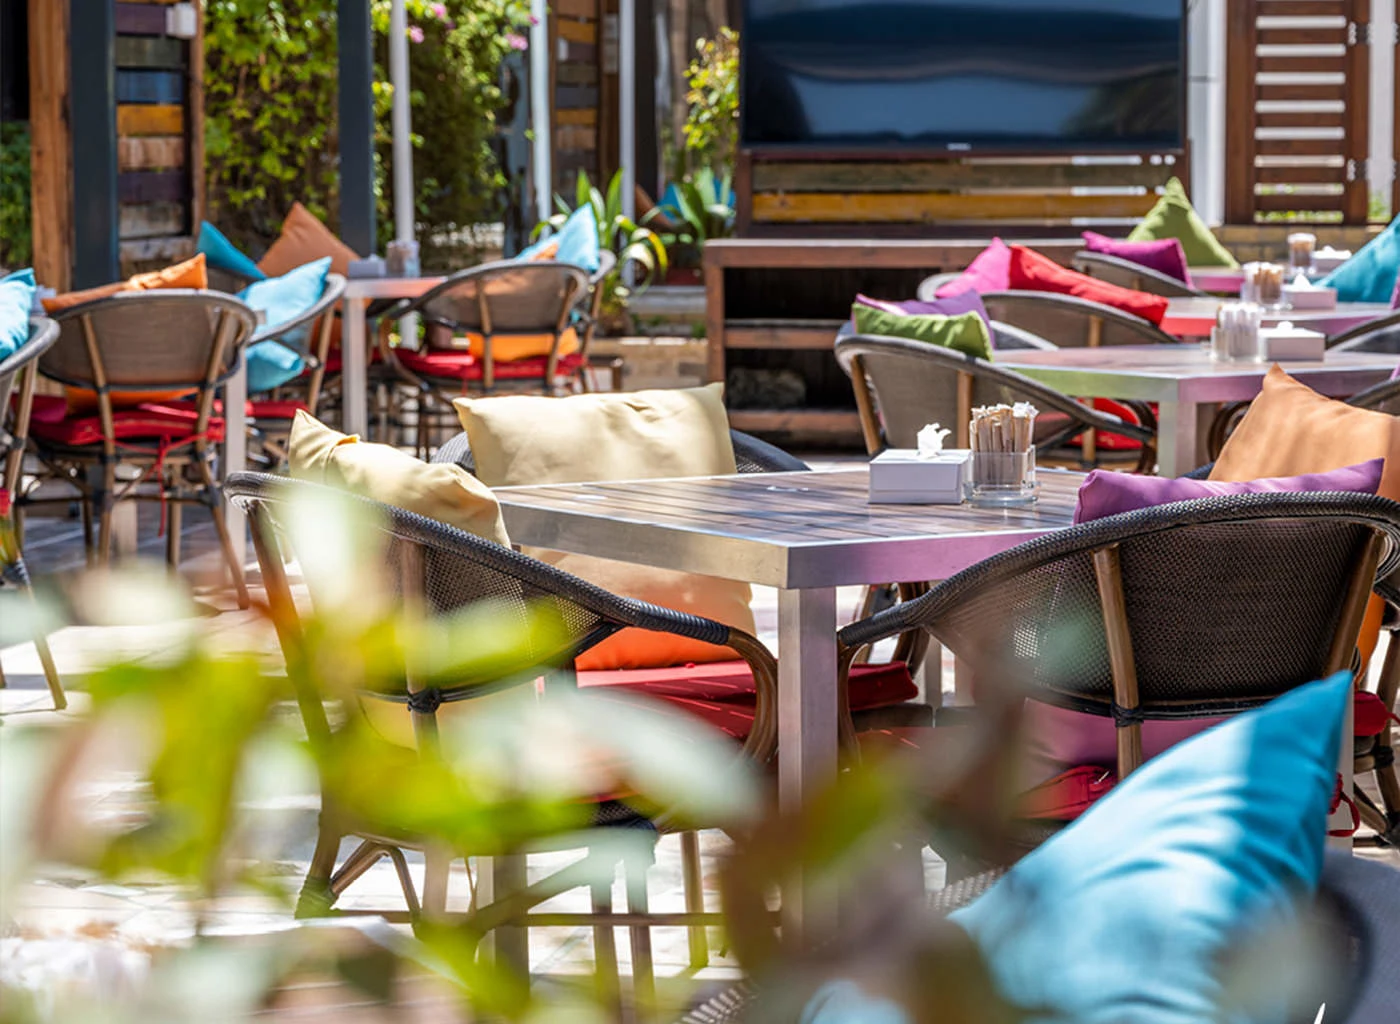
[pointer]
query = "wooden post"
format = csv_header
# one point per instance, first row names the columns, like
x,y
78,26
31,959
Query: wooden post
x,y
1357,190
51,155
195,119
1241,44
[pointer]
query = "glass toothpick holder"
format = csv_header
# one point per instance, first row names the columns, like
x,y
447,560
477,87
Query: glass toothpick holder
x,y
1002,479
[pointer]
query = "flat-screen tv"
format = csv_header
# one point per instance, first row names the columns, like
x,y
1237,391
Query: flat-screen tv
x,y
879,76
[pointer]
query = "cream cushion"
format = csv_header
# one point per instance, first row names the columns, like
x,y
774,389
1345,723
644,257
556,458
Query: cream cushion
x,y
521,440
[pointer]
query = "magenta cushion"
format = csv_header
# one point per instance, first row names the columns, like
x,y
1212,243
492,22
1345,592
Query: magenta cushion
x,y
954,305
989,272
1106,493
1166,256
1058,738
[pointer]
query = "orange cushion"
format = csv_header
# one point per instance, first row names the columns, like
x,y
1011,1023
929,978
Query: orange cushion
x,y
192,273
505,348
1036,272
546,252
303,239
1290,429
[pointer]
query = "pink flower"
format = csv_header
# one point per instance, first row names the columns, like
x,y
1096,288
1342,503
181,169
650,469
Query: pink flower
x,y
415,34
516,41
439,11
534,20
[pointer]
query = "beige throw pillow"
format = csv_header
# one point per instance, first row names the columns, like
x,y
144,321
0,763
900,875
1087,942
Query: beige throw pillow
x,y
519,440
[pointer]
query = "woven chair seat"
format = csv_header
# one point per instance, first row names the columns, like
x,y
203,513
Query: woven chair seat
x,y
457,365
149,421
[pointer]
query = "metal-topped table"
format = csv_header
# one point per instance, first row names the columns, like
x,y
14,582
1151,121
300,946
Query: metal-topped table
x,y
1194,317
1186,383
803,533
355,345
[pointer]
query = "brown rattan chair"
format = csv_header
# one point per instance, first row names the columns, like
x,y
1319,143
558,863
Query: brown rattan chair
x,y
438,569
18,372
1127,274
159,342
309,336
902,386
1071,322
928,287
1382,335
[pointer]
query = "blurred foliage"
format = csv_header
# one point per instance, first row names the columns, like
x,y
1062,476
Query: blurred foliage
x,y
271,112
712,122
16,250
702,211
638,249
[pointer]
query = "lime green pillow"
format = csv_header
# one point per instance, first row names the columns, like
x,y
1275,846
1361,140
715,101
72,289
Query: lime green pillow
x,y
966,332
1175,217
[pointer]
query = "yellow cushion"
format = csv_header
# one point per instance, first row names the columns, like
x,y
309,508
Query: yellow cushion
x,y
192,273
303,239
1290,429
520,439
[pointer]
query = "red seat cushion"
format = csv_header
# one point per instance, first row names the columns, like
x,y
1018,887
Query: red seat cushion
x,y
722,693
454,364
1035,272
1369,714
285,409
150,422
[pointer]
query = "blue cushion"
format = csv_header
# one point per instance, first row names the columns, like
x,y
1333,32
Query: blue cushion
x,y
16,306
1370,275
222,254
1124,917
578,241
283,299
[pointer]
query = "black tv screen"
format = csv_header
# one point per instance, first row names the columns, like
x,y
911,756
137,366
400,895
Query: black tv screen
x,y
963,75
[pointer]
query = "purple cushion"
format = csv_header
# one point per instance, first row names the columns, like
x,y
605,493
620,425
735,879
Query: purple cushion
x,y
1106,493
990,271
953,305
1060,739
1166,256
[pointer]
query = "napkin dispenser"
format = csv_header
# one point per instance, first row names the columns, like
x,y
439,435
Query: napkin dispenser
x,y
1301,294
901,476
1288,343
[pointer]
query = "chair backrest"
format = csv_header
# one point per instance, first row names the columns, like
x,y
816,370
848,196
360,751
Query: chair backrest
x,y
1127,274
295,333
42,335
750,455
928,287
1381,335
901,386
1182,610
150,341
1383,397
1071,322
507,298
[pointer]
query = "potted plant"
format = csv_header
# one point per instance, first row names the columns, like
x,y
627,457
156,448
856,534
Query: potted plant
x,y
693,212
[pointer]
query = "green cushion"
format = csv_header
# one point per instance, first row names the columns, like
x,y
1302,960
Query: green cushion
x,y
1175,217
966,332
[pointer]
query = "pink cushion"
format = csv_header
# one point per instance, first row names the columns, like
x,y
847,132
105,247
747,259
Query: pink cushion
x,y
1035,272
1106,493
988,272
1166,256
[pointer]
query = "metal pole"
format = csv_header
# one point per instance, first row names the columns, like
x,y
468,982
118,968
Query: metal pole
x,y
539,106
93,113
356,107
402,123
627,103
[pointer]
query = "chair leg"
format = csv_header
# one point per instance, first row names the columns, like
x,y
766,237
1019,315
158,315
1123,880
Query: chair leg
x,y
317,897
508,877
106,506
605,951
85,507
643,971
437,867
216,507
174,513
692,879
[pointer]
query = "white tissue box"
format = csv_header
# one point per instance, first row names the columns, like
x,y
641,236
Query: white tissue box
x,y
1310,298
899,477
1327,260
1287,342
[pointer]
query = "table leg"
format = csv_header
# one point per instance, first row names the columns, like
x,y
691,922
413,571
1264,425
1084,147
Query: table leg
x,y
1177,438
236,453
1340,819
353,354
807,720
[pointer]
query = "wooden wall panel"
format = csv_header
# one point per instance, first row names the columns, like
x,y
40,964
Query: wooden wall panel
x,y
153,220
150,52
150,119
137,19
152,152
150,86
153,186
51,154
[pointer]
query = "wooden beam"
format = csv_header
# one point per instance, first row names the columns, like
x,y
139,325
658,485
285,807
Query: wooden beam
x,y
152,220
920,176
929,207
150,52
51,155
1240,45
1356,209
195,105
578,32
792,336
152,186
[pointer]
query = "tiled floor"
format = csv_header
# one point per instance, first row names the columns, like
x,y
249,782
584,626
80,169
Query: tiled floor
x,y
74,915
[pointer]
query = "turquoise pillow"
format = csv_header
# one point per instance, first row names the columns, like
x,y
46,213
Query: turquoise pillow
x,y
222,254
1125,916
1369,276
16,306
273,363
578,241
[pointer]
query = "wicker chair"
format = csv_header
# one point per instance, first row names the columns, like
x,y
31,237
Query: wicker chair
x,y
18,372
273,412
1127,274
439,568
1071,322
1381,335
155,341
902,385
928,287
